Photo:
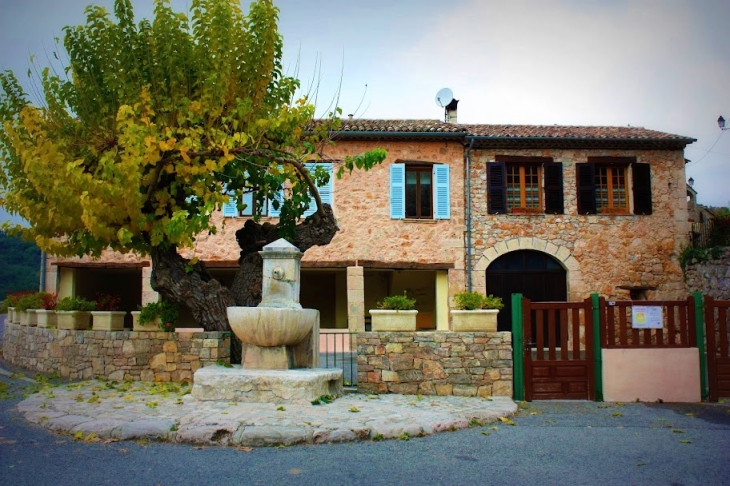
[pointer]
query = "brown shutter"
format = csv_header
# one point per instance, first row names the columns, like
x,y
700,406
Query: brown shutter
x,y
553,187
496,188
586,188
642,188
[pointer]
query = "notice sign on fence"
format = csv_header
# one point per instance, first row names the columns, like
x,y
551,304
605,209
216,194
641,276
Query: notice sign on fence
x,y
647,317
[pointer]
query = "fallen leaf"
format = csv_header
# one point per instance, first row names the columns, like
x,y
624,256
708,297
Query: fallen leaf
x,y
244,449
507,421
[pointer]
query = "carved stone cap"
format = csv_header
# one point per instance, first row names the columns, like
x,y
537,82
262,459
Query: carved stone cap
x,y
280,249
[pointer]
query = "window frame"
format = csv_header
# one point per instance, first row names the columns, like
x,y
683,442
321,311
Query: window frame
x,y
611,189
418,169
548,185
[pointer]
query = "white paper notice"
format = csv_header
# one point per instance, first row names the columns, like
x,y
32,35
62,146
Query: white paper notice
x,y
647,317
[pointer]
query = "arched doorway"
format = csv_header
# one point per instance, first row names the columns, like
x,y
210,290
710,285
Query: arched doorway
x,y
536,275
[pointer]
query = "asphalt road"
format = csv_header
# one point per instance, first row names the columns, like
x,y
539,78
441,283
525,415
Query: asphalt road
x,y
551,443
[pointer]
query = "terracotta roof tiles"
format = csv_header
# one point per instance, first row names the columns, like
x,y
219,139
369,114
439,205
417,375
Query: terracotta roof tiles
x,y
510,131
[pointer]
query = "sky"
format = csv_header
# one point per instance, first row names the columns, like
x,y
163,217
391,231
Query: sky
x,y
659,64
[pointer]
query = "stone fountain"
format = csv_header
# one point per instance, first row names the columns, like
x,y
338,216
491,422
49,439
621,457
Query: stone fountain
x,y
280,343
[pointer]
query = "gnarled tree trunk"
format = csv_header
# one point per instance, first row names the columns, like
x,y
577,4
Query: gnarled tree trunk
x,y
192,285
316,230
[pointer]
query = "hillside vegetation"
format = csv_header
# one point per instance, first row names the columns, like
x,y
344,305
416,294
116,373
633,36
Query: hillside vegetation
x,y
19,265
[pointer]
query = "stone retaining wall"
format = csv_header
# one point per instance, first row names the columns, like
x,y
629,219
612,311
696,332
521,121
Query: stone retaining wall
x,y
115,355
711,277
435,363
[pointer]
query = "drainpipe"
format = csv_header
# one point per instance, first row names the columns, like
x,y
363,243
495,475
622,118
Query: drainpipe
x,y
468,215
43,271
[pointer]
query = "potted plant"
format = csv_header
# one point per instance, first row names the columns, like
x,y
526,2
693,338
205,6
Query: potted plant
x,y
156,316
107,316
47,313
475,312
74,313
11,300
27,305
394,313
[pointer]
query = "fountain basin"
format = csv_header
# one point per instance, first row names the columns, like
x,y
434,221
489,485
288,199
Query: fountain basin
x,y
272,326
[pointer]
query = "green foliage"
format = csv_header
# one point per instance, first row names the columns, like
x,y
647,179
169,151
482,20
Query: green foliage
x,y
323,400
75,304
30,301
19,262
701,255
397,302
475,300
154,125
165,311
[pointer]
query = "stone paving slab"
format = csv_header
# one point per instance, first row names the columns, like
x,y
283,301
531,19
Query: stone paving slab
x,y
167,412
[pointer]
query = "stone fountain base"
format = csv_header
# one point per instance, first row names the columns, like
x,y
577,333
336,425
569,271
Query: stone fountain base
x,y
236,384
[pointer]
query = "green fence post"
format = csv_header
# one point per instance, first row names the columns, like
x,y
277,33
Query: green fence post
x,y
700,327
597,358
518,348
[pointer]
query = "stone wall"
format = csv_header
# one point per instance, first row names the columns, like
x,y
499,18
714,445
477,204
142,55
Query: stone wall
x,y
435,363
711,277
116,355
600,252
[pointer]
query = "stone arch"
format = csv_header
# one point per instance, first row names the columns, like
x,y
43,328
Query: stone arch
x,y
561,253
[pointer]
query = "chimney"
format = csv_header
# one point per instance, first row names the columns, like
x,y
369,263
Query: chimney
x,y
451,111
350,117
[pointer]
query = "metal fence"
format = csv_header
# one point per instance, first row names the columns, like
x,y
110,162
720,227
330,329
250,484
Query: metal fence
x,y
715,232
338,349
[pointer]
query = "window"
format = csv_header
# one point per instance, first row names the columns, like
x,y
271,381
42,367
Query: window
x,y
611,189
266,207
326,192
603,186
523,187
515,185
419,191
230,209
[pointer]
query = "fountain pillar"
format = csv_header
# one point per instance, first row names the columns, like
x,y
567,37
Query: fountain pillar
x,y
280,343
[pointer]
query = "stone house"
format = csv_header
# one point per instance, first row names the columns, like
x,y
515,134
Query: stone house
x,y
553,212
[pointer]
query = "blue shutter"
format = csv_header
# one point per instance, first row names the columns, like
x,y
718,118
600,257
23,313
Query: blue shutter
x,y
442,206
325,191
397,191
275,213
229,209
248,201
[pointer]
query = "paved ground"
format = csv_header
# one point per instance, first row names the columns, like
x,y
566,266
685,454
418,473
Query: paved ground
x,y
550,443
165,411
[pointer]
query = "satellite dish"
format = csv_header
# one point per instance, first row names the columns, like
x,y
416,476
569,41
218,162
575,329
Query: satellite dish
x,y
444,97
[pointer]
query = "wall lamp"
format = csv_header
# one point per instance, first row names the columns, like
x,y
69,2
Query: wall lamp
x,y
721,123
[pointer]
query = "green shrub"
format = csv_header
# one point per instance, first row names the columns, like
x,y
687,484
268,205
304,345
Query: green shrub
x,y
397,302
166,311
30,301
75,304
475,300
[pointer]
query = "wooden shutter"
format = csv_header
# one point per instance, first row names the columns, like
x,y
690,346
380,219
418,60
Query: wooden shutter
x,y
397,191
553,187
442,206
325,191
496,188
642,188
586,179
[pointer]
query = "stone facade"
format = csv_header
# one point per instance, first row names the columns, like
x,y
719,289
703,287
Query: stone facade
x,y
435,363
711,277
600,252
114,355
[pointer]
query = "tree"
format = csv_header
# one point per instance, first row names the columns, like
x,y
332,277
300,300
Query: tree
x,y
156,126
